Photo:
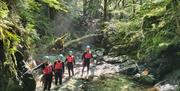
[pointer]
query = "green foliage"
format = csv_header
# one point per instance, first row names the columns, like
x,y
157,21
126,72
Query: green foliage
x,y
18,31
31,11
33,36
55,4
28,10
92,8
3,10
38,13
150,31
153,8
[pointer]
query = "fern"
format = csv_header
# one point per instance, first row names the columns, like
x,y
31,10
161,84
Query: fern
x,y
3,10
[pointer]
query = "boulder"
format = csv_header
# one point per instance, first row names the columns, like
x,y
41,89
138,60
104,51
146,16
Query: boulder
x,y
132,70
114,60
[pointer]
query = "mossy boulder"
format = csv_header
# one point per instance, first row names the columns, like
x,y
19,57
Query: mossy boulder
x,y
147,79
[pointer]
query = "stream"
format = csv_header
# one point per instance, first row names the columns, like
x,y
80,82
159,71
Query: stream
x,y
102,77
109,73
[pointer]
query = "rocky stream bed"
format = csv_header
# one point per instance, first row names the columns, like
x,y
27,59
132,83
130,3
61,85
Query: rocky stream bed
x,y
112,74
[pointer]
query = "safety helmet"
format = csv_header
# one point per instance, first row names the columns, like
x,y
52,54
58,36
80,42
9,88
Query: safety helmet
x,y
61,56
70,52
46,57
88,46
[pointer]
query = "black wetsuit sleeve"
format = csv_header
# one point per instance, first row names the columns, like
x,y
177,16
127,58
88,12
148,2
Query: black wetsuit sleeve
x,y
74,61
63,66
54,65
42,65
83,55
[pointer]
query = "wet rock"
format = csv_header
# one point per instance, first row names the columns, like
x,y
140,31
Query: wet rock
x,y
114,60
132,70
126,64
106,69
168,87
95,78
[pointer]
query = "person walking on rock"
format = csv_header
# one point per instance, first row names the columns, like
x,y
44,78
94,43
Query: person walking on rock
x,y
70,60
86,57
48,73
58,70
62,58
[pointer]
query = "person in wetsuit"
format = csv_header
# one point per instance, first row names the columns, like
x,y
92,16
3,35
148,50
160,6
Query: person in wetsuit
x,y
86,57
70,60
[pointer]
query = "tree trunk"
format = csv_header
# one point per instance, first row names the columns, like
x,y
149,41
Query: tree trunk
x,y
105,10
140,2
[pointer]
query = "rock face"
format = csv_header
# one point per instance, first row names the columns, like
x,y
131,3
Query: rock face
x,y
126,64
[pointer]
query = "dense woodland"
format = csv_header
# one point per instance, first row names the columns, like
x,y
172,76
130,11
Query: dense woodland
x,y
147,31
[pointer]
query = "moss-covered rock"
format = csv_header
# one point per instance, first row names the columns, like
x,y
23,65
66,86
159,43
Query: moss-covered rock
x,y
147,79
